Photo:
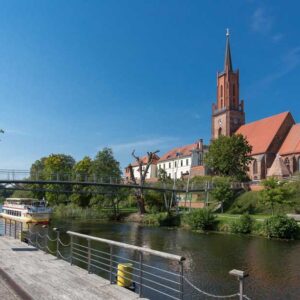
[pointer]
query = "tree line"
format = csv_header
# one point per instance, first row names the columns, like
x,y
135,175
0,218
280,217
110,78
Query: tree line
x,y
103,165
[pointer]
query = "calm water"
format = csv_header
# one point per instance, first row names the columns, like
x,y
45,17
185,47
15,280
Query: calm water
x,y
274,266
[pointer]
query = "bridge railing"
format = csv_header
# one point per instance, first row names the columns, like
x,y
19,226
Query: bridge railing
x,y
150,273
23,176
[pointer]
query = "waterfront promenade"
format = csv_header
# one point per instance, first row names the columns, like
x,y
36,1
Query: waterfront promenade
x,y
27,273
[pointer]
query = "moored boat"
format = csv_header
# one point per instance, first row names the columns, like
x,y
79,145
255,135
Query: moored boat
x,y
26,210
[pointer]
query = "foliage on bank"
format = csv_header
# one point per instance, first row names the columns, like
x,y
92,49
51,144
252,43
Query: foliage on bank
x,y
283,198
281,227
201,219
161,219
72,211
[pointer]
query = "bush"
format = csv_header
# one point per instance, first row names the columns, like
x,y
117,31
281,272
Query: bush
x,y
76,212
201,219
247,202
281,227
161,219
243,225
154,201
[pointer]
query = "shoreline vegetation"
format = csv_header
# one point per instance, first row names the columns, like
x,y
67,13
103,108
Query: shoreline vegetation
x,y
225,209
199,220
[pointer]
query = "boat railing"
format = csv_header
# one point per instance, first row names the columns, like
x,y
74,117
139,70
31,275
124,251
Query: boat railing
x,y
35,209
150,273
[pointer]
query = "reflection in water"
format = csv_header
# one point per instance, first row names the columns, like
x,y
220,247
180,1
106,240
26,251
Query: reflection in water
x,y
274,266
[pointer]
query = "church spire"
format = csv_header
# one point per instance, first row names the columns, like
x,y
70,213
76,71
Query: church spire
x,y
227,61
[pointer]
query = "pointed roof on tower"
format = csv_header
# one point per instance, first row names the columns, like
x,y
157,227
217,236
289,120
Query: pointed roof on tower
x,y
227,61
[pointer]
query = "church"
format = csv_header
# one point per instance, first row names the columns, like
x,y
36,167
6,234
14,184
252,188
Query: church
x,y
275,140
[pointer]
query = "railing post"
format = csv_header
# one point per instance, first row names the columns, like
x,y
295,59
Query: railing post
x,y
141,275
45,238
71,250
110,264
21,231
5,226
57,241
181,280
15,229
89,256
241,275
9,227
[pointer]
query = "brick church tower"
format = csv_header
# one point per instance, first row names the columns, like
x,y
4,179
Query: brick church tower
x,y
228,113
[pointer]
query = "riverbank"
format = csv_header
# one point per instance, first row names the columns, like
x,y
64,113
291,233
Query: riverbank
x,y
200,220
204,221
273,264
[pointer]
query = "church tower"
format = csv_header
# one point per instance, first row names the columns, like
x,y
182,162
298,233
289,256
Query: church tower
x,y
228,113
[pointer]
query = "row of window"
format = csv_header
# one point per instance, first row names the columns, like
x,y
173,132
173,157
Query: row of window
x,y
169,164
12,212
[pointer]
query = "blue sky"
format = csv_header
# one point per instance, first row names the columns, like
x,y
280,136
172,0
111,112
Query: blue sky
x,y
76,76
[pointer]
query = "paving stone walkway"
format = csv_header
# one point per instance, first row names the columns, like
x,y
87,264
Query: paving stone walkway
x,y
43,277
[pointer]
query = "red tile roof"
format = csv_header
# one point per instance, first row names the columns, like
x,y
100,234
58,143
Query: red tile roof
x,y
184,151
292,142
261,133
144,159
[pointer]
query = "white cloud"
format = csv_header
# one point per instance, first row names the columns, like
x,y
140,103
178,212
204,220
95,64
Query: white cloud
x,y
261,21
16,132
277,37
289,62
142,145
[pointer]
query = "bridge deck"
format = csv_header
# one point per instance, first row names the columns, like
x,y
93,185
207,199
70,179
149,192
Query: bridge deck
x,y
42,276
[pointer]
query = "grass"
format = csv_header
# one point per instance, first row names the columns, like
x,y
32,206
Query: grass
x,y
229,217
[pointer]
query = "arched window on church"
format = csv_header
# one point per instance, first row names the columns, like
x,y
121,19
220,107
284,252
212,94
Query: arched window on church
x,y
221,92
222,103
220,132
233,90
255,166
287,163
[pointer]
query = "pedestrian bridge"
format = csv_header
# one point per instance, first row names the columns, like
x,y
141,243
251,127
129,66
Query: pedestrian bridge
x,y
12,179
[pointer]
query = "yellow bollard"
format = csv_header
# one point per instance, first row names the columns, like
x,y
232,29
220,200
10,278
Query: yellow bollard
x,y
124,277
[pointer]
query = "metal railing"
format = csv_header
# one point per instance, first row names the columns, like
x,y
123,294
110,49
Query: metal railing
x,y
23,176
10,227
103,256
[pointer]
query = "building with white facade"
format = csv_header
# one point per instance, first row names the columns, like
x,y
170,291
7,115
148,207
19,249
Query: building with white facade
x,y
184,160
177,163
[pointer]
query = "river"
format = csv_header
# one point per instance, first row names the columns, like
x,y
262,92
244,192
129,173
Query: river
x,y
273,265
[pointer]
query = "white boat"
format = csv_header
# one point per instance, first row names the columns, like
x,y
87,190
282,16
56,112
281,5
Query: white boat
x,y
26,210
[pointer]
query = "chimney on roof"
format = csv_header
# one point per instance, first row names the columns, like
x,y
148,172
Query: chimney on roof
x,y
200,144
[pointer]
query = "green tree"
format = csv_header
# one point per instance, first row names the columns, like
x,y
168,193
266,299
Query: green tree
x,y
105,165
53,167
107,168
82,171
229,156
222,191
276,192
162,176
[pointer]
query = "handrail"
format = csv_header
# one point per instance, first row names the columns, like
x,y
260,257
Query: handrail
x,y
128,246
